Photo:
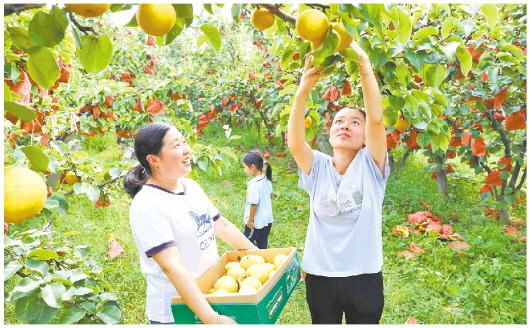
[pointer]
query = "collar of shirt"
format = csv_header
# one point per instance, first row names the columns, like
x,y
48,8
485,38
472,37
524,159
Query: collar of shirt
x,y
257,178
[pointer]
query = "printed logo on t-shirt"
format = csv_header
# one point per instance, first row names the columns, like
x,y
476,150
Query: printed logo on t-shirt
x,y
341,204
204,223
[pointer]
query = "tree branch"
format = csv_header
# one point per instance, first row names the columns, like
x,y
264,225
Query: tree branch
x,y
497,127
101,185
318,5
84,29
16,8
275,9
521,182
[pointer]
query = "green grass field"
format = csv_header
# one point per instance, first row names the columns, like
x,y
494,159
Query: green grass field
x,y
487,285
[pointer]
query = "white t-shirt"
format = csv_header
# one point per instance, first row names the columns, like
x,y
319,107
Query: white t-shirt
x,y
344,236
259,191
161,218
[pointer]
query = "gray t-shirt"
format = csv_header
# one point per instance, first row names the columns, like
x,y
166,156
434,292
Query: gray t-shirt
x,y
344,236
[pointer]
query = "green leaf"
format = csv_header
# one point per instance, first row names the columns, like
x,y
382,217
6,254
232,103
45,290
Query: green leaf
x,y
95,52
110,313
77,275
38,160
25,114
434,75
492,14
90,307
184,11
404,27
21,38
447,26
34,310
440,98
328,48
79,291
416,58
425,31
39,266
203,163
48,30
71,315
10,269
52,293
208,8
423,139
43,68
25,285
43,254
403,74
236,11
133,22
175,31
213,37
464,57
63,203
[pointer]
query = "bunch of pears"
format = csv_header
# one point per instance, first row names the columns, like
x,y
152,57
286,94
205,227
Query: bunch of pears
x,y
248,275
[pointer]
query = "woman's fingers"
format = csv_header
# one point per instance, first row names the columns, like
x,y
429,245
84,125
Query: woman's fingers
x,y
307,64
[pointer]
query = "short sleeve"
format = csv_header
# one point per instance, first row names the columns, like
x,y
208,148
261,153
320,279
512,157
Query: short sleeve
x,y
253,193
151,229
204,199
306,181
374,169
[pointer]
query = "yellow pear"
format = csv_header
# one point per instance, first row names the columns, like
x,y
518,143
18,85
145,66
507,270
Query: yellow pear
x,y
312,25
269,266
70,178
88,9
237,272
25,194
227,283
221,291
262,19
230,265
344,36
279,259
248,260
247,289
271,274
259,272
251,281
156,18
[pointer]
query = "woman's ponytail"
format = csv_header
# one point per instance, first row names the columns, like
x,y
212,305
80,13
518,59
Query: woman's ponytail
x,y
135,179
268,171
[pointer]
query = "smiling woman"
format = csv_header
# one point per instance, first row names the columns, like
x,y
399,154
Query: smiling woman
x,y
174,224
343,251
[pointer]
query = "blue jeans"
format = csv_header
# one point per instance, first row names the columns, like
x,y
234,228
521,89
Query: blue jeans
x,y
259,237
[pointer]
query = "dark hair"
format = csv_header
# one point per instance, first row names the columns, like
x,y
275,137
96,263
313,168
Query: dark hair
x,y
362,111
148,141
253,157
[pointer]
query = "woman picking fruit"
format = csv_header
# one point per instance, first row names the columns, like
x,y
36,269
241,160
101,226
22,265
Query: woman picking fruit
x,y
343,248
174,224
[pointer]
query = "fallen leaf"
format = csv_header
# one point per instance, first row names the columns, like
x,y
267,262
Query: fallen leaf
x,y
511,230
415,249
425,204
517,222
115,249
408,255
400,231
459,245
411,321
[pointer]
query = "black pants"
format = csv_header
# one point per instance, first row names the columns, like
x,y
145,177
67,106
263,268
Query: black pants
x,y
259,237
359,297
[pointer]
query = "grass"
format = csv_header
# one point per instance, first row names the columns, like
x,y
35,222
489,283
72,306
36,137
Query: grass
x,y
486,285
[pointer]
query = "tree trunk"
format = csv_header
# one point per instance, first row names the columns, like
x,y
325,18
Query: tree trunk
x,y
391,162
404,158
441,176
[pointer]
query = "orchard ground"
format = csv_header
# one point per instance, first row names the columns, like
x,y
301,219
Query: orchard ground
x,y
486,284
